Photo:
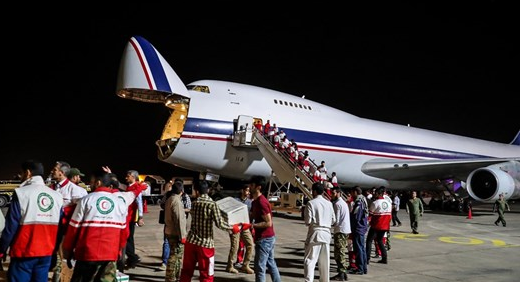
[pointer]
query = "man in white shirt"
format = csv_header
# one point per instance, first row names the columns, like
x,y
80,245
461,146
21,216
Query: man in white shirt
x,y
71,194
341,234
323,171
396,202
334,179
135,210
319,218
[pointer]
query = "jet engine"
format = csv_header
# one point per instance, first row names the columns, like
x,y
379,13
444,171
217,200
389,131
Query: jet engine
x,y
485,184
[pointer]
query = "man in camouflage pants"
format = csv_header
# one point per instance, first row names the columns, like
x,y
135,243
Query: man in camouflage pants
x,y
341,234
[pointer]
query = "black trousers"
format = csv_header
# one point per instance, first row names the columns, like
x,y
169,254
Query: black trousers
x,y
131,256
378,234
395,219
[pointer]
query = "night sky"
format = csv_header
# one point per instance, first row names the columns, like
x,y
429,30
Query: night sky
x,y
445,68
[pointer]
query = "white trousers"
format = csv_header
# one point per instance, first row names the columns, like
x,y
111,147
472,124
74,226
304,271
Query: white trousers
x,y
317,253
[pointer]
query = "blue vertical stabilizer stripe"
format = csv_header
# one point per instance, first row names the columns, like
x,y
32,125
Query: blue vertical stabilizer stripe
x,y
154,64
516,140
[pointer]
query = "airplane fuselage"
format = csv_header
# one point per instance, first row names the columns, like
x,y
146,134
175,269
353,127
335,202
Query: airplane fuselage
x,y
206,114
343,140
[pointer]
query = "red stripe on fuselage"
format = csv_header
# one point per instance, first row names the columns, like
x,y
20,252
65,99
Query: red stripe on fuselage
x,y
309,147
147,75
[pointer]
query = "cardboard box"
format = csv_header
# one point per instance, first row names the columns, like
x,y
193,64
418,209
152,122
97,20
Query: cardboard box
x,y
233,210
121,277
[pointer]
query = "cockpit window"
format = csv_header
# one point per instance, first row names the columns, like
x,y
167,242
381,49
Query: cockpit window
x,y
199,88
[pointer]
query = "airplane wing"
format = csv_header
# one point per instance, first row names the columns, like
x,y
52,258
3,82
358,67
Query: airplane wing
x,y
425,170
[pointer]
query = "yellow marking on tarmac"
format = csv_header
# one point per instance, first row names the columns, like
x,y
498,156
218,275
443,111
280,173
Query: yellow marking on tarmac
x,y
461,240
500,243
454,240
411,237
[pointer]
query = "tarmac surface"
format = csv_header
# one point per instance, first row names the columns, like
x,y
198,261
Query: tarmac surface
x,y
450,247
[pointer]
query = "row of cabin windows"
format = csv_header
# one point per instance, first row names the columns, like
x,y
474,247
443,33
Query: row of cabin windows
x,y
205,89
281,103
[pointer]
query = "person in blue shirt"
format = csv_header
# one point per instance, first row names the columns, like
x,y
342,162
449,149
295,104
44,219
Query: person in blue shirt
x,y
359,227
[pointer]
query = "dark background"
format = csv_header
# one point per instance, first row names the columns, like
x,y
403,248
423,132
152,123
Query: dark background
x,y
446,67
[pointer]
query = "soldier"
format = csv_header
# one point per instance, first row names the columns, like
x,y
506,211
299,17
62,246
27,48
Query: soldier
x,y
500,206
414,208
75,175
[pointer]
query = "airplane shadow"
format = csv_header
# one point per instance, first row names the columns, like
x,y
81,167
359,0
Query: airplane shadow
x,y
152,265
483,224
295,216
145,277
474,213
223,279
152,278
281,263
294,251
291,263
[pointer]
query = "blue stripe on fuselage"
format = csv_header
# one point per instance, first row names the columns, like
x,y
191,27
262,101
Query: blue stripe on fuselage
x,y
154,64
322,139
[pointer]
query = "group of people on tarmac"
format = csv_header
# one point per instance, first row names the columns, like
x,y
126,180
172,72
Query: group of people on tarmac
x,y
350,223
48,223
357,220
195,249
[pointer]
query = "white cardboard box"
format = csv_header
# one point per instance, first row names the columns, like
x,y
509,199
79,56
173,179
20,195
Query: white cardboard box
x,y
121,277
233,210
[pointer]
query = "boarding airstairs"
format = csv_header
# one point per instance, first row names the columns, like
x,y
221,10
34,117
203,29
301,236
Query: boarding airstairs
x,y
286,170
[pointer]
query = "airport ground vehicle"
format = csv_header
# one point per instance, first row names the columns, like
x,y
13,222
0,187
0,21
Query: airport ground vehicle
x,y
6,191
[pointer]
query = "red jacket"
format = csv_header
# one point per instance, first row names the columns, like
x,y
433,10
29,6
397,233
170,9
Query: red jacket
x,y
98,226
380,212
132,209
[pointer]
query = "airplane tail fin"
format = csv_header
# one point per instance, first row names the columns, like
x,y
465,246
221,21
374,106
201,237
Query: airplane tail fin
x,y
144,75
516,140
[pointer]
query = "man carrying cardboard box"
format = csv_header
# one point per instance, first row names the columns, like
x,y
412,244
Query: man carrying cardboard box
x,y
200,246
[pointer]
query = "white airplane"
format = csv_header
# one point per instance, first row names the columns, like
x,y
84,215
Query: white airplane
x,y
205,115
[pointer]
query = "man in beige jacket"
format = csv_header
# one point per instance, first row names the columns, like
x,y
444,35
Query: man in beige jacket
x,y
175,231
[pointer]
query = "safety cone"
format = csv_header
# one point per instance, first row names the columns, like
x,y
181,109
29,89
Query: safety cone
x,y
145,206
469,214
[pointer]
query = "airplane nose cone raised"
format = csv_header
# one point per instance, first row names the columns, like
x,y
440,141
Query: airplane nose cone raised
x,y
144,74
